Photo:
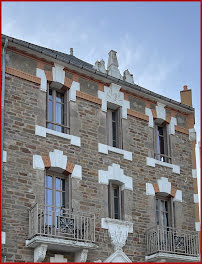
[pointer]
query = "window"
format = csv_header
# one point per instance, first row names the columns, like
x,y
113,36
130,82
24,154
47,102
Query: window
x,y
115,200
57,197
114,131
57,110
164,211
161,141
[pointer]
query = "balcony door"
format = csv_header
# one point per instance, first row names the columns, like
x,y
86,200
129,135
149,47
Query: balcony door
x,y
56,199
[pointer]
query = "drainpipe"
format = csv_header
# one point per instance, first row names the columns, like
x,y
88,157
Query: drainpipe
x,y
2,109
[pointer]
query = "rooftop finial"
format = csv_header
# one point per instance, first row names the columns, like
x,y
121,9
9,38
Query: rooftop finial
x,y
71,51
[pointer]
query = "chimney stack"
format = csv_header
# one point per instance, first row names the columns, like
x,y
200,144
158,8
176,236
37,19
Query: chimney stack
x,y
71,52
186,96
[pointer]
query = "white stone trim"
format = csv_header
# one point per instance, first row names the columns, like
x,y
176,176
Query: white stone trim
x,y
118,231
114,172
40,253
152,163
58,73
38,162
77,172
117,257
4,156
150,189
194,173
42,131
160,111
148,112
41,74
72,91
178,196
164,185
198,226
105,149
196,198
57,159
58,163
171,126
3,238
58,259
113,95
192,134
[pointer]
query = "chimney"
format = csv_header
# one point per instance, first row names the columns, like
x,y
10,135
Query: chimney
x,y
186,96
71,52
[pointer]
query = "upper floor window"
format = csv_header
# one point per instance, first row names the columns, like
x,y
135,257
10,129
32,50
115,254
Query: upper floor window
x,y
114,131
115,200
57,110
161,142
164,211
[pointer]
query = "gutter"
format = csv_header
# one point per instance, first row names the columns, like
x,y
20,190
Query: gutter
x,y
2,110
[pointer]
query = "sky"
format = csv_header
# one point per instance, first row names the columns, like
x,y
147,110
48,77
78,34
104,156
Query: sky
x,y
159,42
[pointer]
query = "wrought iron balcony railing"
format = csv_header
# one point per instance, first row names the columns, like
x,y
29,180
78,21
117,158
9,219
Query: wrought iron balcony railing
x,y
61,223
171,240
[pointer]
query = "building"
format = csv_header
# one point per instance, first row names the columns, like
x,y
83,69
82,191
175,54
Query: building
x,y
95,167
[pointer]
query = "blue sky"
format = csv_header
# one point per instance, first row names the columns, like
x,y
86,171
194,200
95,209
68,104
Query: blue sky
x,y
158,42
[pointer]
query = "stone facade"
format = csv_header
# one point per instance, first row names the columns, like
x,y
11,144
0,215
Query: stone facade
x,y
23,184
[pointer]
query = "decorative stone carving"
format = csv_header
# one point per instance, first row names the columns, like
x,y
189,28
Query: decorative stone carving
x,y
118,231
81,256
192,134
113,95
58,259
57,159
128,77
100,66
40,253
113,65
115,173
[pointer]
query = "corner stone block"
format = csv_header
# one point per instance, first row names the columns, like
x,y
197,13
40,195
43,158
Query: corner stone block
x,y
150,189
72,91
40,131
38,162
150,162
178,196
77,172
41,74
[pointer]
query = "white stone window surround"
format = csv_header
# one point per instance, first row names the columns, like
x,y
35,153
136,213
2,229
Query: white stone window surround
x,y
58,162
113,95
152,163
102,148
114,172
42,131
164,187
4,156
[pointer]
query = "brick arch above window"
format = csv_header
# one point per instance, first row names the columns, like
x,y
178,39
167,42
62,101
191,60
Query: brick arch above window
x,y
58,162
164,186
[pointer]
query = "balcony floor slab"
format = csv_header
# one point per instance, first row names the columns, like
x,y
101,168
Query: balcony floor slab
x,y
167,257
58,244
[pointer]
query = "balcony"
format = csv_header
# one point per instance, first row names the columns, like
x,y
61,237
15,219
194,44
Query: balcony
x,y
60,229
170,245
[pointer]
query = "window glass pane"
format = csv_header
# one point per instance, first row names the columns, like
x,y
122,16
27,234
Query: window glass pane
x,y
59,97
113,116
157,217
63,199
58,199
116,203
114,133
50,94
160,130
49,182
50,110
49,196
58,184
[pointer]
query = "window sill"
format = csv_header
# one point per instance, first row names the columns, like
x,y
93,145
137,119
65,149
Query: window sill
x,y
42,131
152,163
105,150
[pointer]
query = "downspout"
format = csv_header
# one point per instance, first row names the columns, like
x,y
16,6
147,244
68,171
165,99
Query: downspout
x,y
2,114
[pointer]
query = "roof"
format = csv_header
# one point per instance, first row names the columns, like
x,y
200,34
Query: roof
x,y
72,60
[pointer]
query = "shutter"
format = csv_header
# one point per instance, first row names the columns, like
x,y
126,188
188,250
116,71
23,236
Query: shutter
x,y
109,127
119,129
